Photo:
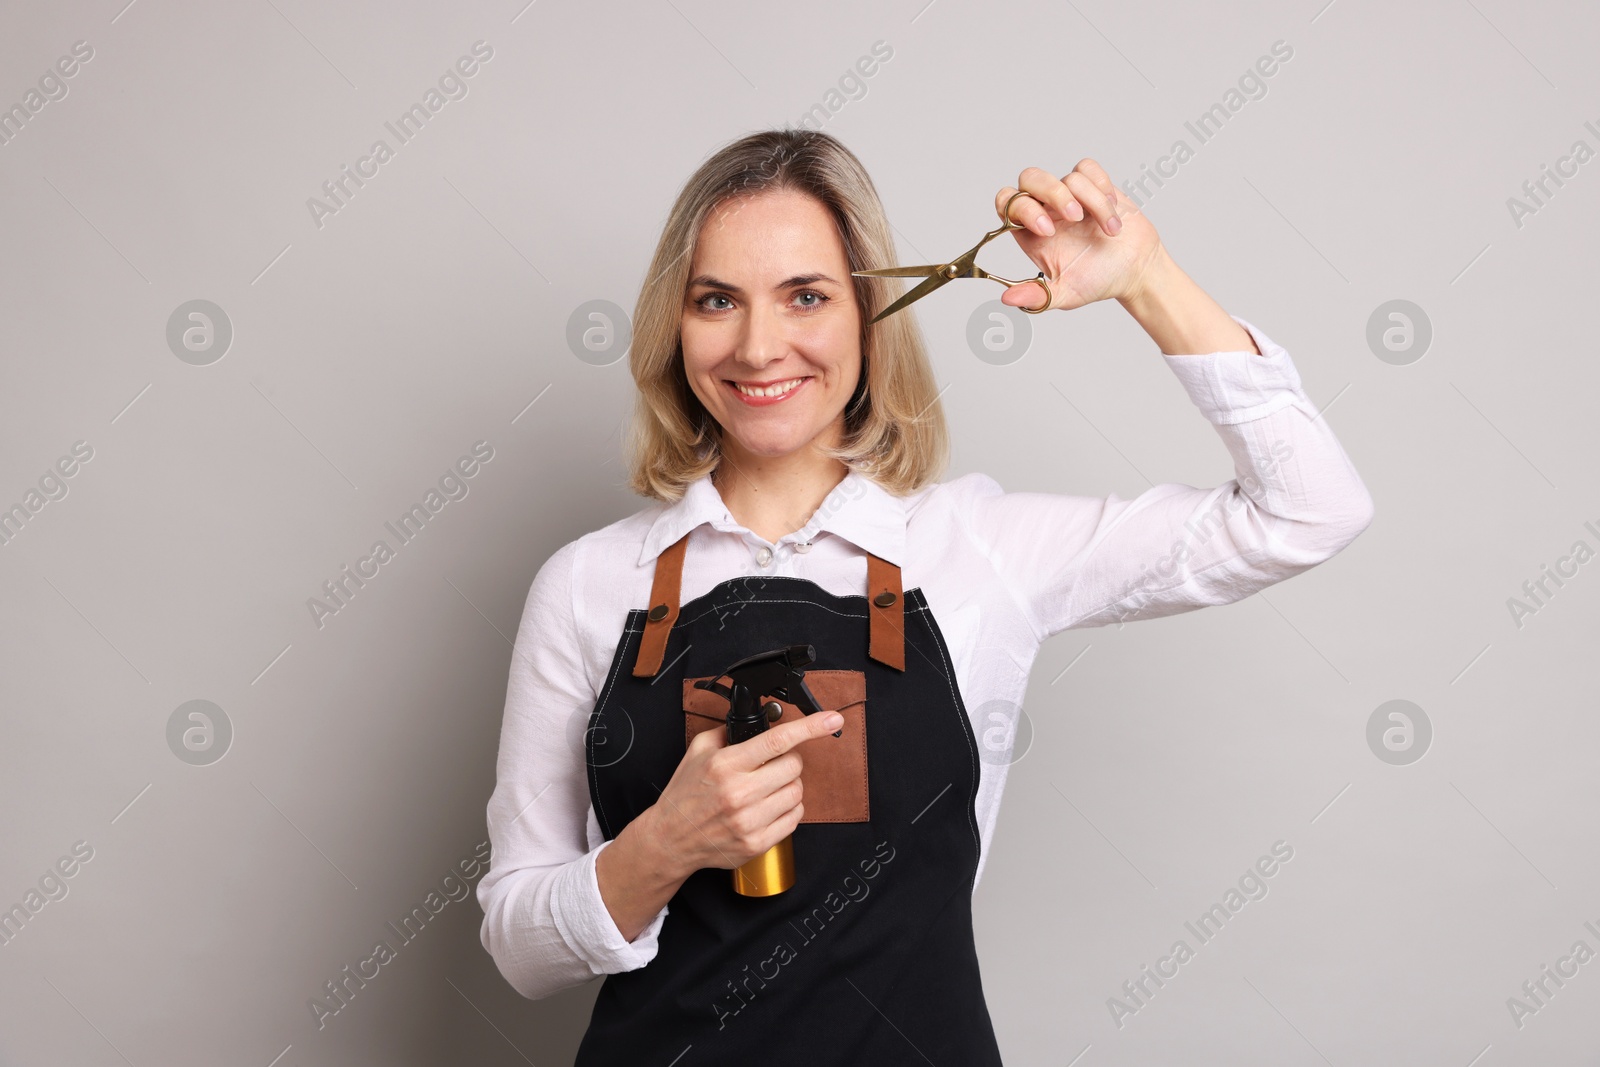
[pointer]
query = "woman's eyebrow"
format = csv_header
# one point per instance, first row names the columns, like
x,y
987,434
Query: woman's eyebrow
x,y
788,283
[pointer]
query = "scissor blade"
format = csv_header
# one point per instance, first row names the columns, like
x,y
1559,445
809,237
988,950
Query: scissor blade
x,y
917,293
900,272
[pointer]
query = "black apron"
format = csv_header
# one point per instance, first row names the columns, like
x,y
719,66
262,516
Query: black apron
x,y
869,957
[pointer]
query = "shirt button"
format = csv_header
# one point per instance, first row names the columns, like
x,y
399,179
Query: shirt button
x,y
764,556
802,546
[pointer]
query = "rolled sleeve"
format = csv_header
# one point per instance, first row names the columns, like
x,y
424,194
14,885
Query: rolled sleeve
x,y
1233,387
585,923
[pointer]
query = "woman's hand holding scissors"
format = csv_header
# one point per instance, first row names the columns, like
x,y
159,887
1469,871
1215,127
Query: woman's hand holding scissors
x,y
1089,239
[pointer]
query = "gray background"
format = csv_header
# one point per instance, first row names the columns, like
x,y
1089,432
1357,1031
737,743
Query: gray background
x,y
371,352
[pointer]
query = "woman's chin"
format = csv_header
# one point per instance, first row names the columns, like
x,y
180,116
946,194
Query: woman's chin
x,y
771,445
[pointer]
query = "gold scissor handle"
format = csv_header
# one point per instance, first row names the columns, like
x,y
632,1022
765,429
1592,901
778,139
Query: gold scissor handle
x,y
1005,210
1049,297
1012,224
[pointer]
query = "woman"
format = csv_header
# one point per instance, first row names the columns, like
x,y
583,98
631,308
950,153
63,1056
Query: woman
x,y
792,451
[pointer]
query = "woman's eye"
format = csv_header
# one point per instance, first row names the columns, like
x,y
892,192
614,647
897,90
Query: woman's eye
x,y
808,299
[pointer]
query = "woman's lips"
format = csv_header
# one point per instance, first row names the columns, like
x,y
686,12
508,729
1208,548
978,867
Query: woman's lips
x,y
765,401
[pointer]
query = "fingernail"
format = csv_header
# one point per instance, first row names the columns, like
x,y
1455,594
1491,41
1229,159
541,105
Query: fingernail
x,y
1048,226
834,720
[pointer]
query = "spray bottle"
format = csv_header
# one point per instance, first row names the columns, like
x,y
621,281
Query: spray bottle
x,y
779,673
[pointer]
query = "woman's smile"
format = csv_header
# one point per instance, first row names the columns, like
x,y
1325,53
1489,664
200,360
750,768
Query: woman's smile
x,y
765,394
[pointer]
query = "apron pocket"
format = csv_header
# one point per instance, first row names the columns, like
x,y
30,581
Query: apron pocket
x,y
834,771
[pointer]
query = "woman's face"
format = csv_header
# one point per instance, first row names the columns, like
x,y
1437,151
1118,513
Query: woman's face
x,y
770,307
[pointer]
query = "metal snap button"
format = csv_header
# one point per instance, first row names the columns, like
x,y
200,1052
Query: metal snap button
x,y
658,613
884,599
764,556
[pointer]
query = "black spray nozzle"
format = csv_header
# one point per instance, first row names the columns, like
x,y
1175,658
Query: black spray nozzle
x,y
779,673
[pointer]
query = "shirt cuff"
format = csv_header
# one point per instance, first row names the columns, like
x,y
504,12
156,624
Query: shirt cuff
x,y
585,922
1230,387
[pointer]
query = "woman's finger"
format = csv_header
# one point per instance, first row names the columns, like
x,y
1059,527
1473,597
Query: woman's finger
x,y
774,774
775,741
775,805
1068,202
1055,200
1096,173
718,738
1028,210
1096,201
1052,192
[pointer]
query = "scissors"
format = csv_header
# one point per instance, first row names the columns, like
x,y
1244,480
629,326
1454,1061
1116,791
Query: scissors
x,y
936,274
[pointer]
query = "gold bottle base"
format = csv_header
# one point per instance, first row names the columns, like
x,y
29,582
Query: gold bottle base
x,y
768,874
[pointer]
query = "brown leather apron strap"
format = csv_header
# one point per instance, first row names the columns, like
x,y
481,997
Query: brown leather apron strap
x,y
887,611
885,608
663,608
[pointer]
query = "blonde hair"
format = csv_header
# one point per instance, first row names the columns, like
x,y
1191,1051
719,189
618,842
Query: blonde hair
x,y
894,424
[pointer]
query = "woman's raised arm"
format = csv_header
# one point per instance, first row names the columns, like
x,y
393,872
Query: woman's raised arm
x,y
1295,501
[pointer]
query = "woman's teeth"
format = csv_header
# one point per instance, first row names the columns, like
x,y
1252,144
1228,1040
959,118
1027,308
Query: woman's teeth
x,y
770,390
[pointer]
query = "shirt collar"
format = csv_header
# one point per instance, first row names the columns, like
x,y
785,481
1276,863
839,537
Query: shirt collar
x,y
858,510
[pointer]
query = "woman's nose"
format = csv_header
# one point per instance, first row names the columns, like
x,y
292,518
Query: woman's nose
x,y
763,339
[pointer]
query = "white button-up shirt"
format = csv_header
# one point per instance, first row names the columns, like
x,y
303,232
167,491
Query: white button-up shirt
x,y
1001,572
